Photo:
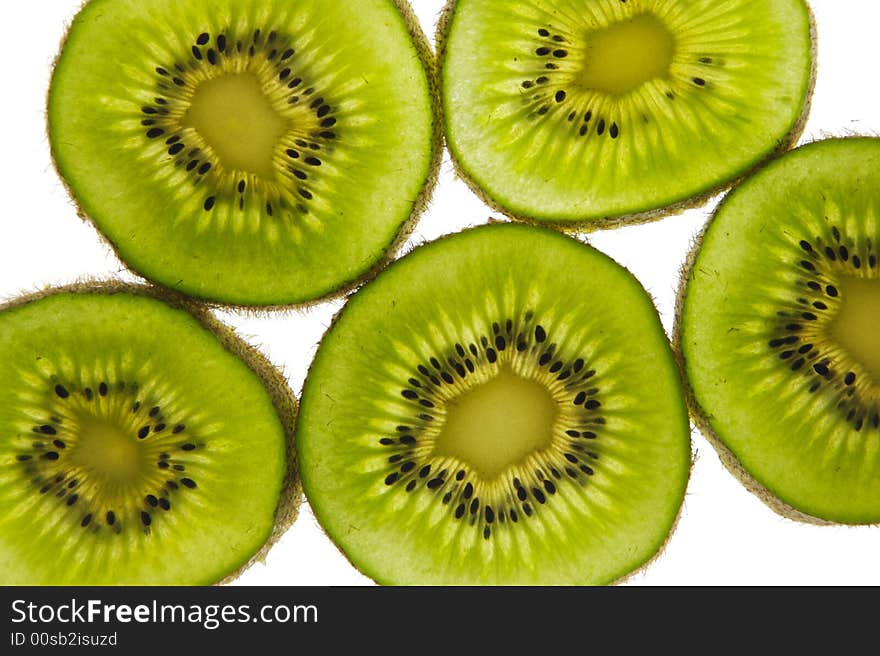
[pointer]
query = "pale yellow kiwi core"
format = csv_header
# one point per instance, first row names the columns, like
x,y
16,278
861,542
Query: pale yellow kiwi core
x,y
856,327
622,57
497,424
235,118
106,452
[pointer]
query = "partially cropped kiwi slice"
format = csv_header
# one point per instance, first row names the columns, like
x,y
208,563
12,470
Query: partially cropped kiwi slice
x,y
139,443
779,331
249,152
599,111
498,407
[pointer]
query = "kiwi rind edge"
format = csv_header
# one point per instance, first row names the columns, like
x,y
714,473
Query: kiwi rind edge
x,y
661,549
701,418
391,251
271,377
444,25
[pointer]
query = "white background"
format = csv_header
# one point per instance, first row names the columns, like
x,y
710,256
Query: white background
x,y
726,536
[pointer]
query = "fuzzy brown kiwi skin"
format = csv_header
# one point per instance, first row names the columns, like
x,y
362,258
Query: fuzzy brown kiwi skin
x,y
619,581
702,419
637,218
391,250
273,380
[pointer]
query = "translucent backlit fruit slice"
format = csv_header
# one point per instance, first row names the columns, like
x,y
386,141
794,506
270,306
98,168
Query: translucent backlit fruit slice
x,y
779,330
251,152
498,407
139,443
599,111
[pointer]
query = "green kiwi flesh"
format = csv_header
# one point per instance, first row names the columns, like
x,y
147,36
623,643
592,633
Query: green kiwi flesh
x,y
140,444
247,152
778,321
593,112
497,407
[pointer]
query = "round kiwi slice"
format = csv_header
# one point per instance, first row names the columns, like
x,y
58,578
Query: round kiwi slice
x,y
248,152
778,330
592,112
140,443
498,407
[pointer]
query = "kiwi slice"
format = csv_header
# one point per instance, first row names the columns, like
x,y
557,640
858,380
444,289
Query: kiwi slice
x,y
141,442
592,112
498,407
248,152
778,330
